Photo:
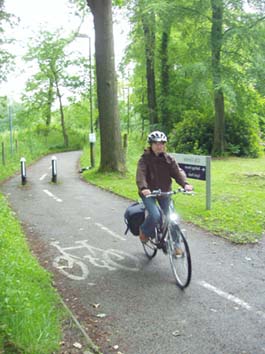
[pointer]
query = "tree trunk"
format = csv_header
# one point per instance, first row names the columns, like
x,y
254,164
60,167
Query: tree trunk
x,y
112,154
65,136
216,43
49,105
165,113
148,21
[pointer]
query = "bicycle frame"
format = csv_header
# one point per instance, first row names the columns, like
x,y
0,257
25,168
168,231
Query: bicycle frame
x,y
180,260
167,217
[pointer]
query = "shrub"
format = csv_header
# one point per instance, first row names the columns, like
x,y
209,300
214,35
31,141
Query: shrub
x,y
194,134
242,135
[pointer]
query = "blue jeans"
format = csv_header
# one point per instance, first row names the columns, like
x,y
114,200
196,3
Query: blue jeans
x,y
153,218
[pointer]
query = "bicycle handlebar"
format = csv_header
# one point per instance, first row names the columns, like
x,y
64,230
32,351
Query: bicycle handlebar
x,y
159,193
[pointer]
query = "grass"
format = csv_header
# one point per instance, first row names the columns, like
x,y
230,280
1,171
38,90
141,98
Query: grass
x,y
32,146
237,201
31,313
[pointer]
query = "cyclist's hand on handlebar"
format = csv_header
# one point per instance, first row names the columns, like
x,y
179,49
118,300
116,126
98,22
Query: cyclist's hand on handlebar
x,y
188,188
146,192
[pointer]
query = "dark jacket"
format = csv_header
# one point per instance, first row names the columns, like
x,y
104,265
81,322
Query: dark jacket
x,y
156,172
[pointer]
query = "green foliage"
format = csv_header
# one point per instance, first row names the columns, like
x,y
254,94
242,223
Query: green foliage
x,y
6,58
242,133
59,71
262,128
34,143
193,134
187,60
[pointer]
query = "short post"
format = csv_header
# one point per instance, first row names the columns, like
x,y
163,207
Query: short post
x,y
23,170
208,183
54,169
92,140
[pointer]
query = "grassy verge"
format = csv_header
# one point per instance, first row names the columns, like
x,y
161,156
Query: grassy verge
x,y
32,146
238,208
31,314
29,307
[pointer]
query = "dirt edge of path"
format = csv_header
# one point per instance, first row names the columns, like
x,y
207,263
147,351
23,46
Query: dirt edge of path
x,y
80,327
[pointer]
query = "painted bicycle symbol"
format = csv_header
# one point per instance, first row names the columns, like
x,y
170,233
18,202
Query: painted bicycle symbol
x,y
74,267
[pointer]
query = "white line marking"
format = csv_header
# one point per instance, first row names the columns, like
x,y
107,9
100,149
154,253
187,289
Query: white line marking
x,y
231,298
73,267
52,195
225,295
104,228
43,176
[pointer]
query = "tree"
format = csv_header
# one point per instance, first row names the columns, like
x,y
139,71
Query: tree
x,y
112,155
205,63
5,56
216,47
53,77
230,38
148,20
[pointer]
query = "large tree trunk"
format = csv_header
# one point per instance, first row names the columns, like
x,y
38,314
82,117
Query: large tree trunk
x,y
148,21
216,43
112,155
164,81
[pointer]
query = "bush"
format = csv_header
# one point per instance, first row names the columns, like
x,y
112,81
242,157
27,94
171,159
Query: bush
x,y
194,134
242,135
262,127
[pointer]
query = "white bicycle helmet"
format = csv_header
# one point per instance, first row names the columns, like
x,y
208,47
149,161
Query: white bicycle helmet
x,y
157,136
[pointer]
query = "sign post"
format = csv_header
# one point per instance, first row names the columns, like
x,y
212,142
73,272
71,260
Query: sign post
x,y
197,167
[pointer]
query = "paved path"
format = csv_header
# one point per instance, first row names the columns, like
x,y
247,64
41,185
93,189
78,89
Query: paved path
x,y
134,302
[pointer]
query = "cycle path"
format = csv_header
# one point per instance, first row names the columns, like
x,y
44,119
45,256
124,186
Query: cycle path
x,y
132,304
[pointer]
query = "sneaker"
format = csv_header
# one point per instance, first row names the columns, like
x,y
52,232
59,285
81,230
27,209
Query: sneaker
x,y
142,237
178,251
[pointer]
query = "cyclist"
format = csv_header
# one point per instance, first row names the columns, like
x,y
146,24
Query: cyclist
x,y
155,170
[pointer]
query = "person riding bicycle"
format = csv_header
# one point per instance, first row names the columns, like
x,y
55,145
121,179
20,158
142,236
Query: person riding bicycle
x,y
155,170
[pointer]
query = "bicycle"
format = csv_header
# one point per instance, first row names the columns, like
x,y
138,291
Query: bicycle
x,y
163,239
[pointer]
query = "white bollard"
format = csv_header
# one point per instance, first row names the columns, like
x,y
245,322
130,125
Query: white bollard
x,y
23,170
54,169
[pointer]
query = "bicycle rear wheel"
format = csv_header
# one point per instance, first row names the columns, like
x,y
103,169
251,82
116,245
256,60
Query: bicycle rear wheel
x,y
180,264
150,249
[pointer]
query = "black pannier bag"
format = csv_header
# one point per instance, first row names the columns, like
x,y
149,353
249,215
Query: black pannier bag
x,y
134,217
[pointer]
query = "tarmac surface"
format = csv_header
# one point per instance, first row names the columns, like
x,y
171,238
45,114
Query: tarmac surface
x,y
125,303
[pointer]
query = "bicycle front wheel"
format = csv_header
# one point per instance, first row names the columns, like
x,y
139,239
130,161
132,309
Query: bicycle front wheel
x,y
180,264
